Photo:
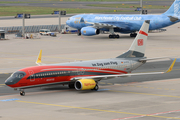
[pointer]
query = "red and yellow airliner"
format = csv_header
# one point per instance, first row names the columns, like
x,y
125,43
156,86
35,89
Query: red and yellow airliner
x,y
85,75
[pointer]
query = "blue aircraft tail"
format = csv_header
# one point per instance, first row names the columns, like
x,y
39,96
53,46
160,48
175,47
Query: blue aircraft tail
x,y
174,10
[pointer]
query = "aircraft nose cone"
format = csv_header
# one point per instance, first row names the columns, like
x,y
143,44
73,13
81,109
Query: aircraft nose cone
x,y
9,81
68,22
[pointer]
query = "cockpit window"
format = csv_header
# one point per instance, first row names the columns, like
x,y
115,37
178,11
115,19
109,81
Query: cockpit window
x,y
18,75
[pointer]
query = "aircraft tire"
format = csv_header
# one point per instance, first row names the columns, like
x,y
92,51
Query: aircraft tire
x,y
117,36
22,93
114,36
110,36
96,88
79,33
133,34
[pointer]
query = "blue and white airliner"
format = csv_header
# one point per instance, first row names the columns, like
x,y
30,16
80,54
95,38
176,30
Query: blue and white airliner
x,y
92,24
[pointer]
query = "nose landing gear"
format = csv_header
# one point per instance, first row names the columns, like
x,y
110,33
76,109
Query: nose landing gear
x,y
22,93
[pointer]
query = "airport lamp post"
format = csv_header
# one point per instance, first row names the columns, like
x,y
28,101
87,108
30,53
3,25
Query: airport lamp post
x,y
59,21
141,5
23,25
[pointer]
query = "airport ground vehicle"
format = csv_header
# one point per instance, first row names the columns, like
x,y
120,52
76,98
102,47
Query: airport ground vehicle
x,y
45,32
20,15
85,75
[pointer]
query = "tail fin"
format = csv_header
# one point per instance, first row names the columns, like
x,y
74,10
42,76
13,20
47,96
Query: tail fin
x,y
138,46
174,10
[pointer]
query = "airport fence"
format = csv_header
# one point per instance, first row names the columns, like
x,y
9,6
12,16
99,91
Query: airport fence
x,y
31,29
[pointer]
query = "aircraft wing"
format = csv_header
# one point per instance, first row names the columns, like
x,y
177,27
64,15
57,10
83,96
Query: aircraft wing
x,y
101,25
124,75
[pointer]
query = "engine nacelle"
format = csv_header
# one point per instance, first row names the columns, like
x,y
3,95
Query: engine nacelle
x,y
85,84
88,31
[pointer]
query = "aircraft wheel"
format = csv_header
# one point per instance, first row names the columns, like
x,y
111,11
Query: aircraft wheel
x,y
110,36
133,34
96,87
117,36
79,33
22,93
114,36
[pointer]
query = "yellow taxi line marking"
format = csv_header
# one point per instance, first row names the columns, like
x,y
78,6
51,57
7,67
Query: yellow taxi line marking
x,y
95,109
2,84
146,94
151,87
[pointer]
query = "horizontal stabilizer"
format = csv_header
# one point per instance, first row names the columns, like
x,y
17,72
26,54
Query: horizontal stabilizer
x,y
147,59
173,18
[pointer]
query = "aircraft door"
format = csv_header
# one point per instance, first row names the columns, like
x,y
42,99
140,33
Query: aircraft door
x,y
32,76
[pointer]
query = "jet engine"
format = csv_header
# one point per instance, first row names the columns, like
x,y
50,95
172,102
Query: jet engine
x,y
88,31
85,84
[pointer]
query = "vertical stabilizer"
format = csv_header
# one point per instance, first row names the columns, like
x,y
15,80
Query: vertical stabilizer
x,y
138,46
174,10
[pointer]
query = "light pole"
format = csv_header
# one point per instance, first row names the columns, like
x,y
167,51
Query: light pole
x,y
23,29
141,5
59,21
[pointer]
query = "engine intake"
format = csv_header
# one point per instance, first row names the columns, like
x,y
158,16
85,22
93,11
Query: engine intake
x,y
88,31
85,84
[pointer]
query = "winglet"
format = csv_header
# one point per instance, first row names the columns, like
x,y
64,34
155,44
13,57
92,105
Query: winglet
x,y
39,58
171,67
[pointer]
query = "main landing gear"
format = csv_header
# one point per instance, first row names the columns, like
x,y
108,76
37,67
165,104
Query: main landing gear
x,y
96,87
79,33
133,34
22,93
114,36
